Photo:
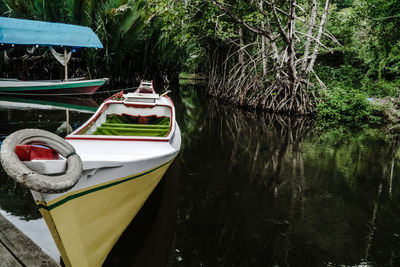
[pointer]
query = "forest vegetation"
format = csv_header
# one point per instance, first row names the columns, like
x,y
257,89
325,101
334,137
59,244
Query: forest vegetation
x,y
326,57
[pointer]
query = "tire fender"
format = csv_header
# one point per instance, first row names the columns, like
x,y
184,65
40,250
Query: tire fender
x,y
16,169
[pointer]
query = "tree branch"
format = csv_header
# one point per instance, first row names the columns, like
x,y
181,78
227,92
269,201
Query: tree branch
x,y
239,20
320,30
316,40
279,22
309,34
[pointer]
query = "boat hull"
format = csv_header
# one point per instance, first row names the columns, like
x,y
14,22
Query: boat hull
x,y
88,220
86,223
119,172
74,87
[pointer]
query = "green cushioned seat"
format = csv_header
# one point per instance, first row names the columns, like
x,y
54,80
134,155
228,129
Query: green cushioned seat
x,y
130,131
126,125
162,121
127,119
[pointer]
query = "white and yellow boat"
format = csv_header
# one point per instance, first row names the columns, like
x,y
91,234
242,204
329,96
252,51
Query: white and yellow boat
x,y
124,149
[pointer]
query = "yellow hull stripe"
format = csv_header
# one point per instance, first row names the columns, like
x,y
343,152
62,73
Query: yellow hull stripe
x,y
65,198
86,225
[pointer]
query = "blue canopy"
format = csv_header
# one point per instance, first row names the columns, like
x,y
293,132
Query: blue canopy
x,y
32,32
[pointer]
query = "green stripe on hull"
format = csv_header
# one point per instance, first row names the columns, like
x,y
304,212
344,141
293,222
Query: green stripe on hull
x,y
80,194
51,86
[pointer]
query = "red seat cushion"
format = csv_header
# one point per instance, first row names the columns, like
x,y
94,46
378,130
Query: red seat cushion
x,y
30,152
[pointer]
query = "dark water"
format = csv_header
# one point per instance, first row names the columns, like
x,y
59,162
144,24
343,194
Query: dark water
x,y
264,190
255,190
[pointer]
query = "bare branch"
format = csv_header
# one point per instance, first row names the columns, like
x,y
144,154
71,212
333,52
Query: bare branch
x,y
301,19
279,22
272,41
239,20
331,37
281,11
310,33
299,7
320,82
272,54
316,40
320,30
291,36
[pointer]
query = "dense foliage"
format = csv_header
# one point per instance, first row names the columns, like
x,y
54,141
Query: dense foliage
x,y
343,106
362,63
358,53
134,45
258,53
366,65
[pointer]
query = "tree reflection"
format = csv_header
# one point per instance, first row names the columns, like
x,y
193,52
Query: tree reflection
x,y
263,189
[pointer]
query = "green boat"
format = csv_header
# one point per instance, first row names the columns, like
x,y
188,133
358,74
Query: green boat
x,y
51,87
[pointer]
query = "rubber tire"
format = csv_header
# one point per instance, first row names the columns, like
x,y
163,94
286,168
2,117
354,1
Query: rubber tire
x,y
33,180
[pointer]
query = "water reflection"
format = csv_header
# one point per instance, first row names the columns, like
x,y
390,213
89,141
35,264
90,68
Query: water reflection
x,y
256,190
265,190
48,113
16,199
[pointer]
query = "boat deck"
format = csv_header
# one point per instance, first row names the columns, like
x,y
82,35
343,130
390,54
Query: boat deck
x,y
16,249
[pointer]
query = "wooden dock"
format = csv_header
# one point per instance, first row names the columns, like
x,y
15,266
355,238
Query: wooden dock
x,y
16,249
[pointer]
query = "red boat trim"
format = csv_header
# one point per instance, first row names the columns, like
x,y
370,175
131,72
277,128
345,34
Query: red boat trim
x,y
139,105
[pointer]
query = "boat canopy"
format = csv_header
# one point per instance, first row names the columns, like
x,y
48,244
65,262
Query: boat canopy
x,y
38,33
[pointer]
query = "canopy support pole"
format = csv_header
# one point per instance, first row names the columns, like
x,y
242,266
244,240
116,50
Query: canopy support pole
x,y
65,64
